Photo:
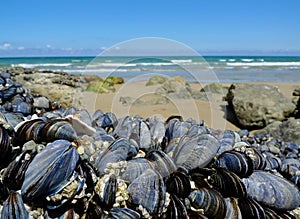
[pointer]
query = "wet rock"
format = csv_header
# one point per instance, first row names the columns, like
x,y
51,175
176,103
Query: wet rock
x,y
257,105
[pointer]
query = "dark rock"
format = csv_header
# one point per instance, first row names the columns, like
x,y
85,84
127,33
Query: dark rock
x,y
296,92
296,100
257,105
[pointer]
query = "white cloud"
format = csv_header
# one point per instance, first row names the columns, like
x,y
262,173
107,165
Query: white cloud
x,y
48,46
5,46
21,48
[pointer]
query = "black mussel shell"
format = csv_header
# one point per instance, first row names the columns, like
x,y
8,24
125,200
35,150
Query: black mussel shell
x,y
251,209
227,183
179,184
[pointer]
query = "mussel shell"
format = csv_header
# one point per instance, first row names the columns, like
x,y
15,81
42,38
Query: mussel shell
x,y
176,209
272,190
124,213
236,162
251,209
232,209
13,175
93,211
14,208
29,130
195,152
8,92
227,141
157,129
179,184
107,121
58,129
120,150
5,146
149,191
110,190
161,162
24,108
49,170
135,168
228,183
210,201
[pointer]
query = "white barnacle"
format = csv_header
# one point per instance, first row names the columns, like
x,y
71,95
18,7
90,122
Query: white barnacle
x,y
115,168
99,187
122,194
167,202
144,212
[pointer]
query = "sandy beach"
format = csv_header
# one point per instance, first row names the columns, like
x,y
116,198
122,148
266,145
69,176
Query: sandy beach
x,y
213,112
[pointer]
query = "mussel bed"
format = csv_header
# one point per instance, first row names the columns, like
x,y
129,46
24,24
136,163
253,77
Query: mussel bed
x,y
66,163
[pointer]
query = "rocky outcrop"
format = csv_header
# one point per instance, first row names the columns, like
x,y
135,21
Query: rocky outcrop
x,y
60,86
257,105
288,130
57,86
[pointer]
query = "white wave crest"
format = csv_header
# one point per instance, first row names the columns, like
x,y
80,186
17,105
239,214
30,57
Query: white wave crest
x,y
25,65
269,64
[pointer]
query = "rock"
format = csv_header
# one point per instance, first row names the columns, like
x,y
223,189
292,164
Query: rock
x,y
57,86
127,101
113,80
155,80
217,88
41,103
199,95
296,92
257,105
288,130
175,87
100,86
296,100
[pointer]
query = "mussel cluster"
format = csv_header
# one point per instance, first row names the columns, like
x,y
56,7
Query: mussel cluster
x,y
66,163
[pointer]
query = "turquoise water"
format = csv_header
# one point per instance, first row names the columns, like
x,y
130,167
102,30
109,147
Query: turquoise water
x,y
208,68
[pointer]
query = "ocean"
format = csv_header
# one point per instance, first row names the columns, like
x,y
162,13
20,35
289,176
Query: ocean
x,y
207,69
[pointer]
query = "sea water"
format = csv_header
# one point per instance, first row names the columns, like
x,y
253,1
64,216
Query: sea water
x,y
193,68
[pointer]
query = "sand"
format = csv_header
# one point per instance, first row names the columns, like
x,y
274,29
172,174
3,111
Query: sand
x,y
213,112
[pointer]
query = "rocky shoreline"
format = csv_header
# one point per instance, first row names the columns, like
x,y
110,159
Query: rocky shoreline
x,y
59,161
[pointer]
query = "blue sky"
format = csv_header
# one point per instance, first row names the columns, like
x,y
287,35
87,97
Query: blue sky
x,y
65,27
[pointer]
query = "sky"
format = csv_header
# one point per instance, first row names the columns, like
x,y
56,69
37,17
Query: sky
x,y
85,27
